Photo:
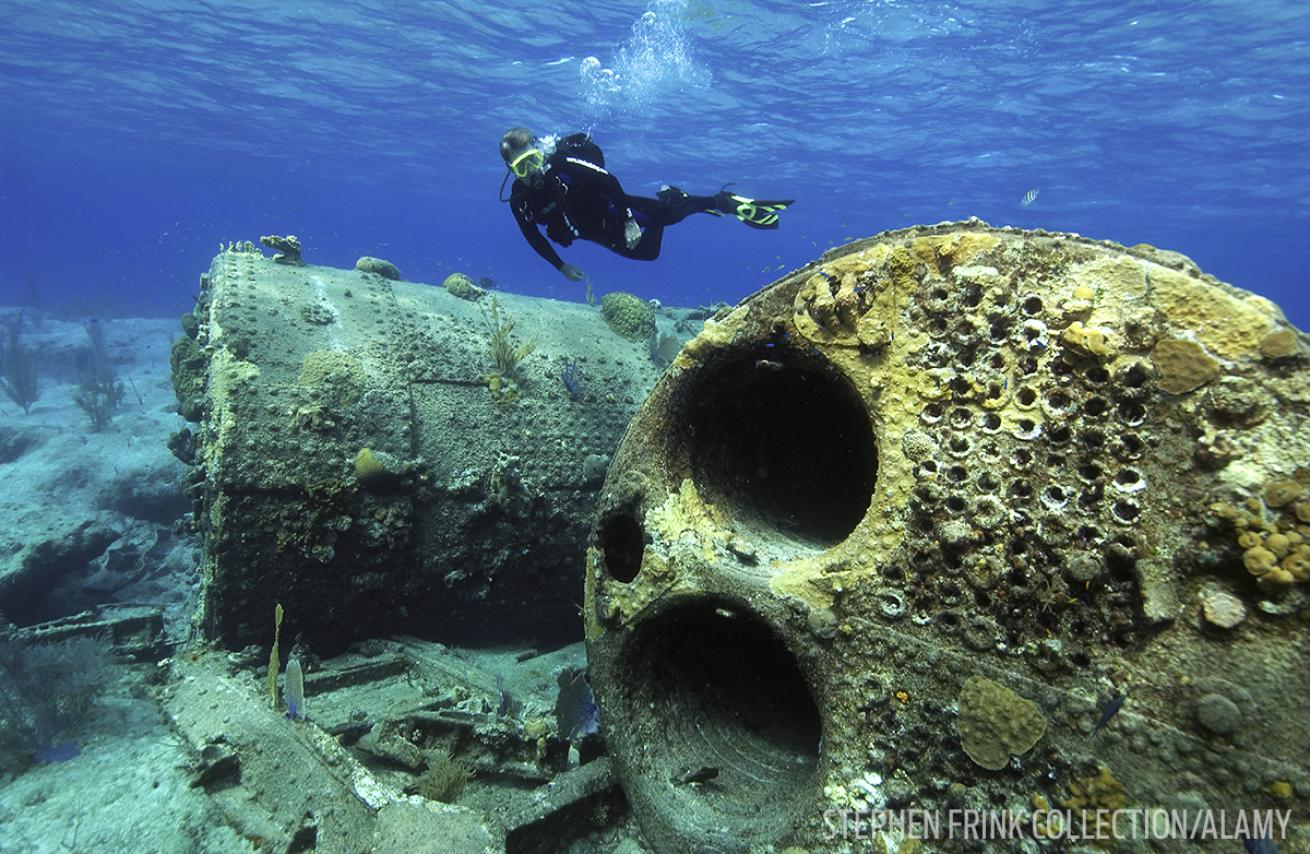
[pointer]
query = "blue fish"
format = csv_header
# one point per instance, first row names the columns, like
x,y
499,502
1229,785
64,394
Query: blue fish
x,y
1264,845
1111,709
56,753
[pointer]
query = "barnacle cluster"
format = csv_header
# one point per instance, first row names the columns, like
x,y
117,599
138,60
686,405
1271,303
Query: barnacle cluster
x,y
1039,417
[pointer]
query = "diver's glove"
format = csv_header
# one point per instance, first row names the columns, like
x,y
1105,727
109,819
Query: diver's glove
x,y
631,233
573,274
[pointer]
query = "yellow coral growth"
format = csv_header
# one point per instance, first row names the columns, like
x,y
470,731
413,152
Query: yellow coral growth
x,y
334,376
1282,492
1101,791
1183,365
367,466
1227,325
1275,551
1090,340
1279,344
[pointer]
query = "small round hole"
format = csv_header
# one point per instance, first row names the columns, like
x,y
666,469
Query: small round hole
x,y
1130,447
1135,376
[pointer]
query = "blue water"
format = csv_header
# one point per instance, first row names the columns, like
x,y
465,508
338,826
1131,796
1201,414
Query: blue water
x,y
138,135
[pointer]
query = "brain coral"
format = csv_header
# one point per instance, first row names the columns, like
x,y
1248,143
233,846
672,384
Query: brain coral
x,y
995,722
628,315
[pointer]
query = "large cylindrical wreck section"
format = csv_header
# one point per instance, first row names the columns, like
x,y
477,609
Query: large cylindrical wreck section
x,y
906,527
361,457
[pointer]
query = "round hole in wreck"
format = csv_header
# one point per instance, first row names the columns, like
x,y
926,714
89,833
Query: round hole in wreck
x,y
621,542
781,442
711,686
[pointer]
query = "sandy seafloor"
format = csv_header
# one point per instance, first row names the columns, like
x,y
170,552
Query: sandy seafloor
x,y
62,484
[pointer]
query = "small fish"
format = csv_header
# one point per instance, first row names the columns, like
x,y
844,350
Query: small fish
x,y
1264,845
1029,197
1111,709
293,691
502,703
56,753
701,775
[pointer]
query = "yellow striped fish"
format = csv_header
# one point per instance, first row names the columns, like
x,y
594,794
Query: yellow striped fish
x,y
1029,197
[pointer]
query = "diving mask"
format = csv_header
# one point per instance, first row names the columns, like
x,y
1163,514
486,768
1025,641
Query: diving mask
x,y
528,162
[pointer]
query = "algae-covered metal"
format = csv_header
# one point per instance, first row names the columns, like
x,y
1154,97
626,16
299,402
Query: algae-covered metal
x,y
895,531
362,459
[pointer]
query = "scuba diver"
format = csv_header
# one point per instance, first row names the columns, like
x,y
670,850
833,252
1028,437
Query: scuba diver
x,y
563,186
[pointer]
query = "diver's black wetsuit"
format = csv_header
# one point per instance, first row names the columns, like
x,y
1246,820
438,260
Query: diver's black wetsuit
x,y
577,199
